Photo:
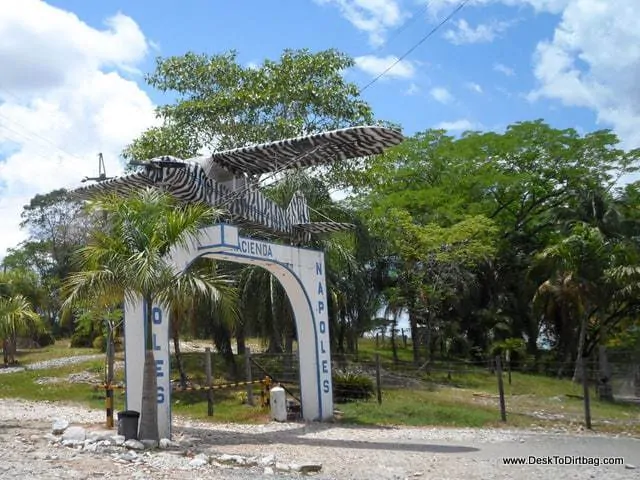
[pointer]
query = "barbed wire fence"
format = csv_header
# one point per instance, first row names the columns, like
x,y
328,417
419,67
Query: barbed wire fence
x,y
536,393
542,391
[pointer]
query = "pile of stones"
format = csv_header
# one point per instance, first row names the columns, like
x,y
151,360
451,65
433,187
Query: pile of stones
x,y
104,442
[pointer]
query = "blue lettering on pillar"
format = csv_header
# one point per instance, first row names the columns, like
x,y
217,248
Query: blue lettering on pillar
x,y
156,314
159,364
323,326
320,306
320,289
160,394
318,268
325,386
154,338
325,366
322,350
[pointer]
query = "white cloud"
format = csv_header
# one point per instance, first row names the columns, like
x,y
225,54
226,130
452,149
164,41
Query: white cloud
x,y
508,71
441,95
593,61
458,125
375,17
412,90
63,101
474,87
439,7
374,66
463,33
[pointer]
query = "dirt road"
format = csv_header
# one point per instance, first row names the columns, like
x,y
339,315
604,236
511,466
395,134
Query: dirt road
x,y
345,453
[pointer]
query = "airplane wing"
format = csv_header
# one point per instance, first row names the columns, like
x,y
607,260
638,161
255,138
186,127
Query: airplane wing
x,y
120,185
309,150
323,227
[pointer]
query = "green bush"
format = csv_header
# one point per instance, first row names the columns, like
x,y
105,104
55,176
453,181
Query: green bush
x,y
100,343
350,386
81,340
45,339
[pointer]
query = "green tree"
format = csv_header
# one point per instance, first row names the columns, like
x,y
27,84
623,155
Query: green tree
x,y
525,181
16,318
223,104
130,260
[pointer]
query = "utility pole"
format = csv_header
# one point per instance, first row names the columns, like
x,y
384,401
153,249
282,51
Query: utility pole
x,y
102,176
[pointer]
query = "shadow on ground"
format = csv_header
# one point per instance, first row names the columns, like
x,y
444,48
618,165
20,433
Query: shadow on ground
x,y
211,437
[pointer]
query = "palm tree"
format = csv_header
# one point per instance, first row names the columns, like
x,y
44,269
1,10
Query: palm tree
x,y
189,292
130,258
16,317
578,264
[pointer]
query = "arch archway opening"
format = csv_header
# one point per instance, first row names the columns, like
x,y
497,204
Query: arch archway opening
x,y
301,273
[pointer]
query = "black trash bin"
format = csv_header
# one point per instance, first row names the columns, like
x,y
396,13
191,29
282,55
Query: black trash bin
x,y
128,424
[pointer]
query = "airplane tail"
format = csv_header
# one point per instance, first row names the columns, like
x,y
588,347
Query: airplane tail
x,y
298,214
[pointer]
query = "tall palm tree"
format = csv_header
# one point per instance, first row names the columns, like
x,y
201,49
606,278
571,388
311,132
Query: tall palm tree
x,y
189,292
130,258
16,317
577,264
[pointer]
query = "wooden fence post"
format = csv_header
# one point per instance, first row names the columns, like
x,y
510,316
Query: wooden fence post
x,y
249,378
378,382
503,409
208,373
110,370
585,389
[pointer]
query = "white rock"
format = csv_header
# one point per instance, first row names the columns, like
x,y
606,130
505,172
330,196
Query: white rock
x,y
134,444
283,467
165,443
237,459
78,434
118,439
52,438
149,444
268,471
34,438
129,456
267,460
99,435
59,426
198,462
91,447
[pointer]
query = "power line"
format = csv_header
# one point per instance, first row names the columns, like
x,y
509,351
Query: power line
x,y
35,137
403,27
416,45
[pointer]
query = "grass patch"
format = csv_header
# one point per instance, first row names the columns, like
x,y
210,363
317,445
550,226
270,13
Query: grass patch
x,y
451,395
60,349
228,406
416,408
24,385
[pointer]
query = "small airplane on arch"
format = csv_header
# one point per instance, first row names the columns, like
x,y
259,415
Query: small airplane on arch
x,y
224,179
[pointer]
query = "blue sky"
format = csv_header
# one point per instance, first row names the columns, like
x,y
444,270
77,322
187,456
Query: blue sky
x,y
76,88
260,29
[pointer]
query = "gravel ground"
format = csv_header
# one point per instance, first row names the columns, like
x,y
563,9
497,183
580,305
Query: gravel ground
x,y
54,363
345,453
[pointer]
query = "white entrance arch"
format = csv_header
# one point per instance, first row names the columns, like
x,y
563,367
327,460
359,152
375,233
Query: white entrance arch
x,y
301,272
